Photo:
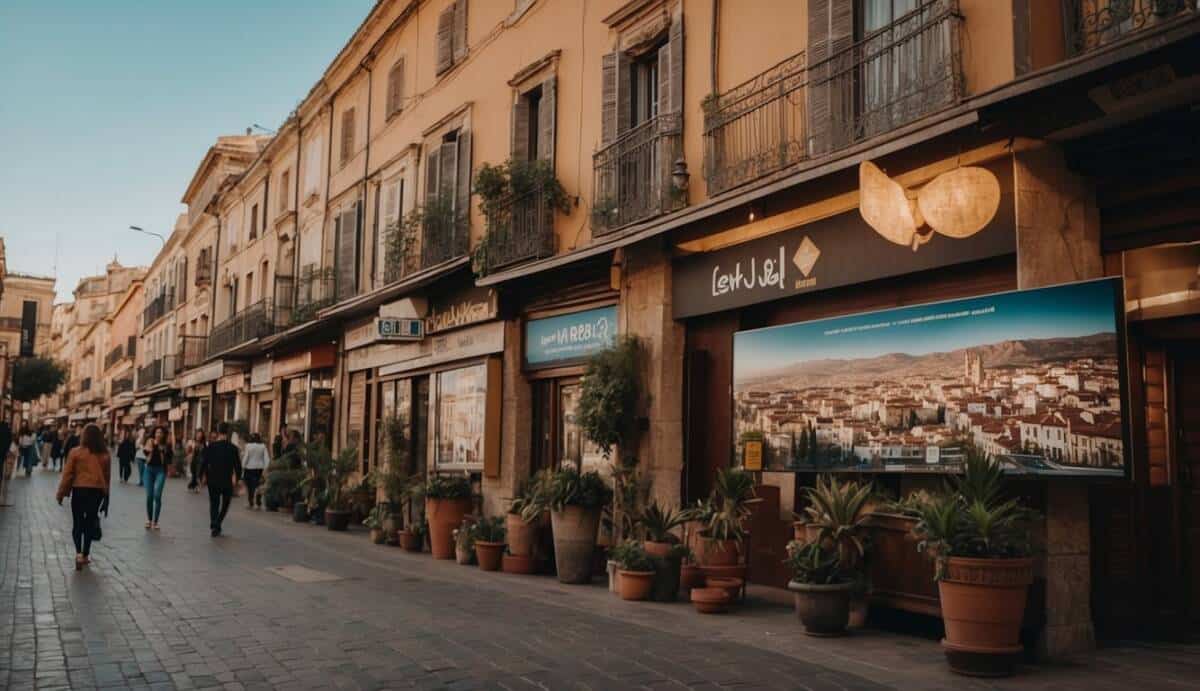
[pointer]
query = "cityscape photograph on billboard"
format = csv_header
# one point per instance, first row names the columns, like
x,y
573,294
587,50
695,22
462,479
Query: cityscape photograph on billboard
x,y
1032,378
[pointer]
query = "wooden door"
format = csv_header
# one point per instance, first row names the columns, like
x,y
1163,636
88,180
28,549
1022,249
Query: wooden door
x,y
1185,433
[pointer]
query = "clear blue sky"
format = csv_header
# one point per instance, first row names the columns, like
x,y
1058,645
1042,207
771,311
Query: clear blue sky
x,y
107,106
1080,309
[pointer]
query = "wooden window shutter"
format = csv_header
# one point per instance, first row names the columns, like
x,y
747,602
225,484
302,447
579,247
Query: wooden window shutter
x,y
842,84
448,171
347,251
460,30
819,74
675,48
547,120
462,195
347,134
624,94
395,95
664,80
445,39
519,133
284,189
608,98
432,159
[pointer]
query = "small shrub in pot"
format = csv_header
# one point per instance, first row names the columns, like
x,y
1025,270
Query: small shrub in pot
x,y
487,534
635,570
447,502
820,588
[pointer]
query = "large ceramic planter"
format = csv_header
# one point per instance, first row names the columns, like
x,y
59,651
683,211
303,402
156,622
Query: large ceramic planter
x,y
634,585
511,563
488,555
337,520
378,537
983,602
710,600
575,530
444,515
666,580
718,552
522,536
824,610
411,542
300,512
690,576
656,549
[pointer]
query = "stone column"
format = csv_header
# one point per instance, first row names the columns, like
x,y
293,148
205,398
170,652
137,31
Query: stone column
x,y
645,312
516,426
1058,241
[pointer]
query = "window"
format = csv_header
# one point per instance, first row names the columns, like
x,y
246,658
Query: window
x,y
263,278
461,409
643,89
312,167
534,121
452,35
249,289
347,145
254,223
389,261
395,88
448,170
639,86
347,233
285,179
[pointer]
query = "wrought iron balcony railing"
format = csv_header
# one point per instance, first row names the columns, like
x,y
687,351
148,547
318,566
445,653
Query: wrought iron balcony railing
x,y
204,270
114,356
520,229
811,106
443,237
192,351
158,307
256,321
156,372
299,299
632,176
121,385
1090,24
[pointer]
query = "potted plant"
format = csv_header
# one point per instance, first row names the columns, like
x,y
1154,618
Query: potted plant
x,y
412,537
392,477
657,523
464,543
982,546
410,499
635,570
338,499
722,518
488,536
576,501
374,523
520,523
836,518
667,569
820,588
447,501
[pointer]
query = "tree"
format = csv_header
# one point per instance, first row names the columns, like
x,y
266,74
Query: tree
x,y
813,449
34,377
801,452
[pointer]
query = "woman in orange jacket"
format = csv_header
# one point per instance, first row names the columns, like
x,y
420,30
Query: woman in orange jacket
x,y
85,478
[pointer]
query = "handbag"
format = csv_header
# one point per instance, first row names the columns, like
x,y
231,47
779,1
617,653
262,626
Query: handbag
x,y
94,531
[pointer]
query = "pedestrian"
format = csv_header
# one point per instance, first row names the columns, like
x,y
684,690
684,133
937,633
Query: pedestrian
x,y
27,448
126,453
220,470
58,443
140,457
43,438
291,450
255,465
72,441
85,478
279,441
157,451
194,449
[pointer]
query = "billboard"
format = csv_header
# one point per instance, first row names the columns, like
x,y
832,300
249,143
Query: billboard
x,y
1032,377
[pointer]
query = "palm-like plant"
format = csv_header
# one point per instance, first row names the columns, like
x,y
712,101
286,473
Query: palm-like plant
x,y
837,509
658,522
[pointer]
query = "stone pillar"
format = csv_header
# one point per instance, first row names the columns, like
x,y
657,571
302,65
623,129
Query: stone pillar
x,y
645,312
1058,241
516,427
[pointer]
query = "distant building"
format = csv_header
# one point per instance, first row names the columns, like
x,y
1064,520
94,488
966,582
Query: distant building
x,y
974,368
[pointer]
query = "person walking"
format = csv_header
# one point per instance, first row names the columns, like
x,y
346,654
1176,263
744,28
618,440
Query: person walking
x,y
158,457
140,457
220,470
126,453
27,448
72,441
85,478
58,442
254,465
194,449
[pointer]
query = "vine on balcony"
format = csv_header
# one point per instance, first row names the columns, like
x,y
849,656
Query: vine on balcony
x,y
500,186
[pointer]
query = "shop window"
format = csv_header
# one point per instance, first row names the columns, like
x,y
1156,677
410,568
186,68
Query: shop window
x,y
264,419
559,440
461,411
295,404
396,435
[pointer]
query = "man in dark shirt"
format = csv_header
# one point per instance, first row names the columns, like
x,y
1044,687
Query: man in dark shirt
x,y
220,469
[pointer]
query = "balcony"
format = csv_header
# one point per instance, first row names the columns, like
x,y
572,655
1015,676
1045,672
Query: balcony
x,y
158,307
520,228
1090,24
444,235
204,270
114,356
632,176
299,299
192,351
806,108
121,385
157,372
256,321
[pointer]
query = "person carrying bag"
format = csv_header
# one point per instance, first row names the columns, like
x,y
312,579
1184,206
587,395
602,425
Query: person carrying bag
x,y
85,479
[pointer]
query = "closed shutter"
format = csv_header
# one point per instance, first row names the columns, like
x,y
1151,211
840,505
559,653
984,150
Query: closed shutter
x,y
445,40
664,80
395,92
448,171
460,29
462,195
431,175
312,166
346,229
347,135
624,94
830,92
676,73
391,222
519,132
608,98
547,120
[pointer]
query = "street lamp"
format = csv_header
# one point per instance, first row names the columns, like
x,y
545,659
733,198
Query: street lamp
x,y
149,232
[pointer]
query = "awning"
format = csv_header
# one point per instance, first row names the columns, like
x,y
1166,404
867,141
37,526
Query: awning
x,y
162,404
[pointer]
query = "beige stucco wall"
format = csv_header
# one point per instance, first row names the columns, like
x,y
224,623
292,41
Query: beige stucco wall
x,y
17,290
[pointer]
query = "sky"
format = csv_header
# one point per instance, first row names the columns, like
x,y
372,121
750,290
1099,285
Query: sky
x,y
108,106
1079,309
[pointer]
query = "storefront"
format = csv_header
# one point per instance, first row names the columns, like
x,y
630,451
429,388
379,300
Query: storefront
x,y
305,381
262,397
232,400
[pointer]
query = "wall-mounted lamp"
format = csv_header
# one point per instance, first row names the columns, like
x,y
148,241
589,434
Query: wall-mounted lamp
x,y
680,175
753,214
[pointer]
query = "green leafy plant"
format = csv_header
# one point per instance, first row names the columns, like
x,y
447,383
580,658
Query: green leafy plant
x,y
569,487
339,470
657,522
604,212
488,529
34,377
464,536
609,395
448,486
418,528
813,564
838,510
376,518
910,505
524,498
630,556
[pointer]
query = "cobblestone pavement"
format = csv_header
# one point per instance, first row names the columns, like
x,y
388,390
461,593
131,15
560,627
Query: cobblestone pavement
x,y
176,609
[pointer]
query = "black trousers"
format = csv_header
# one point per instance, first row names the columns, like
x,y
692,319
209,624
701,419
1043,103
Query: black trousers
x,y
218,505
252,478
85,509
126,469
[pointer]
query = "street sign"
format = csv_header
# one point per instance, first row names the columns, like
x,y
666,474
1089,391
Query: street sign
x,y
400,328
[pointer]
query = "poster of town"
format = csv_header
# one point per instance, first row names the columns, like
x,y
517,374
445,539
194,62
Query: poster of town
x,y
1032,378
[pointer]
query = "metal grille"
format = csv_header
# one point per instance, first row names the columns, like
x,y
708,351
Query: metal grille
x,y
121,385
519,229
158,308
315,290
443,237
256,321
399,257
632,176
158,371
192,350
114,356
1090,24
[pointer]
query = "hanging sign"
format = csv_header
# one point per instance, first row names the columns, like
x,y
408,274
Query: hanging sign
x,y
400,328
568,338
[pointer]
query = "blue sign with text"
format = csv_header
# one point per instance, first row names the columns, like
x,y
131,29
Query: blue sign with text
x,y
569,338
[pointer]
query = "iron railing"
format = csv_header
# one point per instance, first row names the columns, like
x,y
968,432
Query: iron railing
x,y
256,321
312,292
192,351
121,385
520,228
1090,24
114,356
632,176
158,307
204,269
400,257
156,372
443,237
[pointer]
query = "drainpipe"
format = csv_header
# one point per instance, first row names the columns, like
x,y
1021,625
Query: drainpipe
x,y
212,281
715,44
362,213
296,220
328,186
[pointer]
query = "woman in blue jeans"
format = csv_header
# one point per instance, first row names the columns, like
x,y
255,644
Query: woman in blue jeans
x,y
158,457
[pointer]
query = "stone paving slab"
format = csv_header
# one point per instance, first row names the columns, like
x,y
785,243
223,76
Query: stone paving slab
x,y
177,609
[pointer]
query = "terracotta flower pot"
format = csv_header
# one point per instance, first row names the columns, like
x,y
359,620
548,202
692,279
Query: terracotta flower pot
x,y
824,610
444,515
512,563
690,576
411,542
634,585
718,552
657,549
710,600
983,602
574,542
522,536
377,536
729,584
488,555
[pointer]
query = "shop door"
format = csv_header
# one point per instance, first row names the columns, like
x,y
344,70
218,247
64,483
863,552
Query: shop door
x,y
1185,371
